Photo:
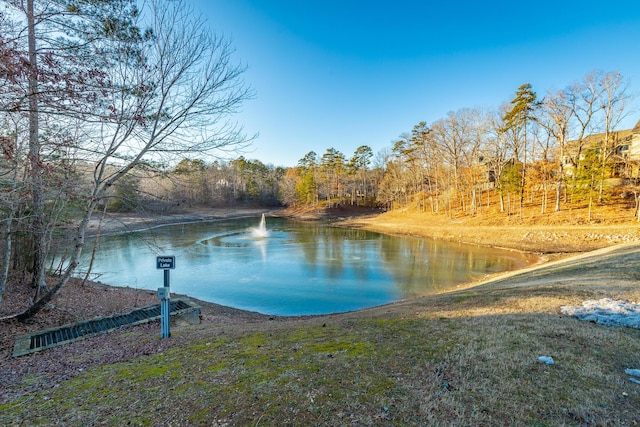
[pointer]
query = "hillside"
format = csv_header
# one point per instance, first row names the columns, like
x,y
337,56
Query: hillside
x,y
566,231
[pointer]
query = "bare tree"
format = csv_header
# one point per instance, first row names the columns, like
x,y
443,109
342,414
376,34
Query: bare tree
x,y
474,173
171,92
583,97
614,102
453,136
556,115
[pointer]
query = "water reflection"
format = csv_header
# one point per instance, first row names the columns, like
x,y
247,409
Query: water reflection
x,y
298,268
424,265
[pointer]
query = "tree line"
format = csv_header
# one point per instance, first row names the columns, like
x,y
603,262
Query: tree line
x,y
559,149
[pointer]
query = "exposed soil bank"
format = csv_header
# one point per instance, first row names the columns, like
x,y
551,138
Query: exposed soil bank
x,y
541,238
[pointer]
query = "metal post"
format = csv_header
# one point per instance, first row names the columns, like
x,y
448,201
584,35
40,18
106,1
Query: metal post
x,y
164,294
166,332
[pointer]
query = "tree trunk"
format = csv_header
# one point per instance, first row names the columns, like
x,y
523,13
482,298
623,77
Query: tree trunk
x,y
7,255
558,194
473,201
6,261
68,272
95,246
35,162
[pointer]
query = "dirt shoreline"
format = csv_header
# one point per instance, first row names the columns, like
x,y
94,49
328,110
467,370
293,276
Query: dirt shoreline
x,y
550,239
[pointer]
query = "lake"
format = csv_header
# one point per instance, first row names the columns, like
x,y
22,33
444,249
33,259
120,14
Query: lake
x,y
295,268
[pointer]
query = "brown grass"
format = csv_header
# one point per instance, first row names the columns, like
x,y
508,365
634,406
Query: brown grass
x,y
566,231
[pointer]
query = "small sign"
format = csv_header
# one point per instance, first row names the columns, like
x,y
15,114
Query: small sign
x,y
163,293
166,262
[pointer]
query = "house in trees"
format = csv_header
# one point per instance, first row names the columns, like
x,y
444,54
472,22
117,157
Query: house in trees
x,y
621,151
491,169
628,152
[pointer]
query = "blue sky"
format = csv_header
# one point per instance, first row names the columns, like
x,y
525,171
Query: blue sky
x,y
340,74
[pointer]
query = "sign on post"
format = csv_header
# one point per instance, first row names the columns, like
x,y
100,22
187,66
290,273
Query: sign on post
x,y
165,263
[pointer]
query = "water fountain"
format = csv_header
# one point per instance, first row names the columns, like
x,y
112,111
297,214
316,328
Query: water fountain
x,y
261,231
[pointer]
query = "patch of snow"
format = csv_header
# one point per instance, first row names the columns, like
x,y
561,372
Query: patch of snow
x,y
632,372
606,312
546,359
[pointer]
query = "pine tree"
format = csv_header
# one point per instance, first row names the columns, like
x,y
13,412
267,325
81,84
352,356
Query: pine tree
x,y
517,118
